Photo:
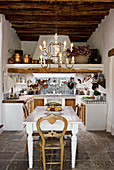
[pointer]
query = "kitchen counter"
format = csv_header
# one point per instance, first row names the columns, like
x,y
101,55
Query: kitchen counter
x,y
22,99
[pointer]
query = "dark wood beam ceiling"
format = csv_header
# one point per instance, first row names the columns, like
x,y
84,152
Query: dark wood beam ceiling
x,y
76,18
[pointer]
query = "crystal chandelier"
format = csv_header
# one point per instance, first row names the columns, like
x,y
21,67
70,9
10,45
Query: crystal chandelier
x,y
56,51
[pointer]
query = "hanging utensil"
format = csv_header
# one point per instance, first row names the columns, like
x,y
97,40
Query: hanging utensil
x,y
41,82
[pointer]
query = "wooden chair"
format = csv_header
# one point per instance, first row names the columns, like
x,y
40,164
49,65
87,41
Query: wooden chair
x,y
53,103
25,111
55,138
26,114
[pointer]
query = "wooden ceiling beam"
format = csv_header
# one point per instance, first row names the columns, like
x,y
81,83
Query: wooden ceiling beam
x,y
72,6
52,18
30,12
53,32
43,26
58,1
58,22
36,39
37,35
40,30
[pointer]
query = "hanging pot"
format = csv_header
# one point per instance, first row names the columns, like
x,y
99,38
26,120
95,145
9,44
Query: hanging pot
x,y
40,81
71,85
45,85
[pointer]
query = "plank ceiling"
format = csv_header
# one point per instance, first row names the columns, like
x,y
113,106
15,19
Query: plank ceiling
x,y
75,18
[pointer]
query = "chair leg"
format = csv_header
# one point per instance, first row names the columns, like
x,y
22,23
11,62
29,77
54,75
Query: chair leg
x,y
40,155
62,153
26,149
44,159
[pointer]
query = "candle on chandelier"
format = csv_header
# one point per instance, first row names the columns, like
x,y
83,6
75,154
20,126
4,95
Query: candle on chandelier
x,y
71,47
41,57
40,47
44,43
72,60
65,43
67,61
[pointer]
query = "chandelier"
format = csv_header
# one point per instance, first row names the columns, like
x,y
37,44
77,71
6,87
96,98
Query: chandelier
x,y
57,52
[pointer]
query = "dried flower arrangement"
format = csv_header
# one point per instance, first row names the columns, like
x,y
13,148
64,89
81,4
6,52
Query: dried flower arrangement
x,y
80,50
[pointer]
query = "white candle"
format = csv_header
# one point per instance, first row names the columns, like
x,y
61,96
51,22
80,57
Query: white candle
x,y
41,57
72,60
44,43
71,47
40,47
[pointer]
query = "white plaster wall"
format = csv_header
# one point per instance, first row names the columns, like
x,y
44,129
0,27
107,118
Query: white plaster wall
x,y
9,41
28,47
103,39
80,44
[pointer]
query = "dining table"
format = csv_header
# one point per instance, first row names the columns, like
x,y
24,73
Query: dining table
x,y
40,111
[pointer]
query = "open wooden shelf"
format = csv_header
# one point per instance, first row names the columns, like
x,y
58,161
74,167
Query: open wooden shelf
x,y
36,68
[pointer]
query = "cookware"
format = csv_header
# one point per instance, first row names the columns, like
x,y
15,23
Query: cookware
x,y
17,58
26,59
40,81
45,85
71,85
11,60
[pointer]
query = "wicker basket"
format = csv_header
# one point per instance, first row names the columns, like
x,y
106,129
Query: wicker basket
x,y
82,59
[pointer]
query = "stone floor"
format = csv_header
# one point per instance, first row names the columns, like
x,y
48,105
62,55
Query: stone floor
x,y
95,152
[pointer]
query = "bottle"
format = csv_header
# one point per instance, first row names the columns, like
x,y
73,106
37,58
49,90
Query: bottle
x,y
18,79
11,92
14,93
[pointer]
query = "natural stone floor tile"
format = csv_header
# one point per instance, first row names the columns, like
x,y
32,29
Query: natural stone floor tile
x,y
111,155
95,148
4,164
16,137
95,152
18,165
99,156
84,165
110,148
21,156
7,155
82,156
15,147
106,165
